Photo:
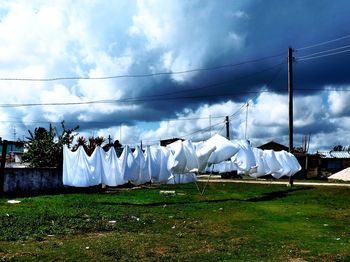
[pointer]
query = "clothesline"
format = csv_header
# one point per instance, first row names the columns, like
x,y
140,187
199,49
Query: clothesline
x,y
178,162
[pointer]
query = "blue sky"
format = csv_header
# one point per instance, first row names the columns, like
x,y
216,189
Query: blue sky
x,y
87,39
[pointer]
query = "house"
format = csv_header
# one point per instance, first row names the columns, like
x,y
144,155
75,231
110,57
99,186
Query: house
x,y
166,142
14,151
331,162
272,145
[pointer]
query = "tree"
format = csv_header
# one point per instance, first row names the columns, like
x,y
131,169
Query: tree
x,y
45,147
90,145
339,148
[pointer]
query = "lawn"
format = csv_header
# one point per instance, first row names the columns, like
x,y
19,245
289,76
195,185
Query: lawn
x,y
231,222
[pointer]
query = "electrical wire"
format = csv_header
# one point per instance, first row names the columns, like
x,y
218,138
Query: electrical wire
x,y
149,98
323,43
325,51
141,75
201,130
323,89
320,56
220,83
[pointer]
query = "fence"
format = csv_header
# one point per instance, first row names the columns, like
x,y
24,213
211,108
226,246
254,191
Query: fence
x,y
29,181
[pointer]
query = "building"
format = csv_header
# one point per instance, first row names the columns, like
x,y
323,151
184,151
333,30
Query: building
x,y
14,151
331,162
166,142
272,145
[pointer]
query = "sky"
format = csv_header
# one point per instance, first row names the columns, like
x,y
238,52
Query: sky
x,y
151,70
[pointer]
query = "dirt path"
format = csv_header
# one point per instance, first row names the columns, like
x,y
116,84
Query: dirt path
x,y
243,181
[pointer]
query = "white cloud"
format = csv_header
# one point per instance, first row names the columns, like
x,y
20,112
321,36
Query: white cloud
x,y
44,39
339,102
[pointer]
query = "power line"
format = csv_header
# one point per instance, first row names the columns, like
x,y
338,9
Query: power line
x,y
137,100
323,89
325,55
325,51
141,75
149,98
323,43
203,129
222,83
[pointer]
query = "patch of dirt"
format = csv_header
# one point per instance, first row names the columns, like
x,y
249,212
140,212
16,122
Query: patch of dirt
x,y
296,260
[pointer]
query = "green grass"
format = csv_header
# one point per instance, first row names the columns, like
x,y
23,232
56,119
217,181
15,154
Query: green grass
x,y
231,222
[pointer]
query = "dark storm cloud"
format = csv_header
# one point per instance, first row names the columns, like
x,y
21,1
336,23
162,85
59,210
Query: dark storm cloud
x,y
145,37
270,27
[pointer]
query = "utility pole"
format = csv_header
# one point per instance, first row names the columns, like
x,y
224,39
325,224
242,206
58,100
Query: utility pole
x,y
109,139
227,122
246,122
210,124
290,102
120,133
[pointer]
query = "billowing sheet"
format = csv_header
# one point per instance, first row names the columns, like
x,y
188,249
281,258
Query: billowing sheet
x,y
259,159
178,162
80,170
128,166
177,159
143,167
111,175
224,149
274,167
244,158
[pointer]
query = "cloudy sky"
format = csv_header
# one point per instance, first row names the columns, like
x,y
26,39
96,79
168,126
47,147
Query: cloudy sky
x,y
150,70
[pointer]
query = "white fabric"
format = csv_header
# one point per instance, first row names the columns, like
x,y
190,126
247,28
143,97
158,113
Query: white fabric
x,y
143,163
203,152
191,157
224,149
182,178
274,167
111,175
128,166
178,161
261,168
164,172
293,163
80,170
283,158
154,155
244,158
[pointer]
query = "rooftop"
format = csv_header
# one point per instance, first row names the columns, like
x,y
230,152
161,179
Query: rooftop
x,y
334,154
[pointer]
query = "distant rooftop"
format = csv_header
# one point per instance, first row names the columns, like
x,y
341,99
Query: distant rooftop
x,y
334,154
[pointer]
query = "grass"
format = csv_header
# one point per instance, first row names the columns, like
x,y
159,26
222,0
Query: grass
x,y
231,222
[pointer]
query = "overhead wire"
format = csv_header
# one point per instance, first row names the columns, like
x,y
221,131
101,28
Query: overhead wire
x,y
236,113
141,75
158,97
324,51
323,43
325,55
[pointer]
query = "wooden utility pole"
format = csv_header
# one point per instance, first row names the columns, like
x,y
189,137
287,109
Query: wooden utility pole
x,y
227,122
246,123
290,102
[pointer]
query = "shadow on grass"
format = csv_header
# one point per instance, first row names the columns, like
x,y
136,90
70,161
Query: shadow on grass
x,y
276,195
168,203
265,197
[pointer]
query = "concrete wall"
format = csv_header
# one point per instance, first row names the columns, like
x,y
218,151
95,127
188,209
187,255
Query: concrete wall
x,y
23,181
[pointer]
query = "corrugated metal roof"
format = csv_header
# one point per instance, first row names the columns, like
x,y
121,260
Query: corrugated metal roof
x,y
334,154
